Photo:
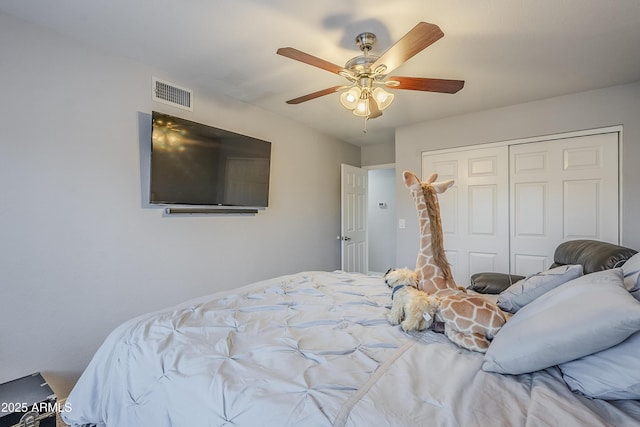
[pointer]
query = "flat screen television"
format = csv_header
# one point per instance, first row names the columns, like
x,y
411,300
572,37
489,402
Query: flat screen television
x,y
195,164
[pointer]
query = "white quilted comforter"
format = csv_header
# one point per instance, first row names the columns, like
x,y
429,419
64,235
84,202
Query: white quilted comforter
x,y
311,349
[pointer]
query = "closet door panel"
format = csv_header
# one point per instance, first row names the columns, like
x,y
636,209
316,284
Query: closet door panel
x,y
581,213
562,189
523,262
479,261
482,210
530,209
475,210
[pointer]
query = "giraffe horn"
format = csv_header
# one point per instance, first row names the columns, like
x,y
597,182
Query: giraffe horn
x,y
431,178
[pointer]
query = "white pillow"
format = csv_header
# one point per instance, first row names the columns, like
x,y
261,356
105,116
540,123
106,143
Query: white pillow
x,y
631,271
526,290
610,374
581,317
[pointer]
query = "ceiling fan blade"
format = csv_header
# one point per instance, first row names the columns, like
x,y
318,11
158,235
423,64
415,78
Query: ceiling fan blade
x,y
373,108
298,55
428,85
419,38
315,95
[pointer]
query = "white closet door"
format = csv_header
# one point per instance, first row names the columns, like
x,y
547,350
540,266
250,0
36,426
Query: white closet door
x,y
563,189
475,211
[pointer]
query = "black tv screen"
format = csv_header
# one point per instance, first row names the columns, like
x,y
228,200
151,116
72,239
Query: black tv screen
x,y
195,164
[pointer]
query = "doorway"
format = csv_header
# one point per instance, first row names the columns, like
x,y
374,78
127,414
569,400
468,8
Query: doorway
x,y
381,218
368,217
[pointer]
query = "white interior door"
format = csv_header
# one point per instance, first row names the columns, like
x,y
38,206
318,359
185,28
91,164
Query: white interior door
x,y
354,219
563,189
475,211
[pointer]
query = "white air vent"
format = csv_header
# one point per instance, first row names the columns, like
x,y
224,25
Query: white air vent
x,y
171,94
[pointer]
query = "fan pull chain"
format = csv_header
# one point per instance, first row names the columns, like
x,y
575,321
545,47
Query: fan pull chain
x,y
364,130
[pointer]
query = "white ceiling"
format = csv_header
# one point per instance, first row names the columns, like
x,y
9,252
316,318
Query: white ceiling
x,y
507,51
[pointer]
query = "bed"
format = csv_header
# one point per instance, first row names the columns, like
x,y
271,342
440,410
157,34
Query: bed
x,y
312,349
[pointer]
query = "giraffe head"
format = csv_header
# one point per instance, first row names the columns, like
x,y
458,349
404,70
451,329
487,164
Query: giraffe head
x,y
412,182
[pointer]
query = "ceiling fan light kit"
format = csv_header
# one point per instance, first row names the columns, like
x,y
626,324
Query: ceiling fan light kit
x,y
360,96
362,108
382,97
350,97
367,74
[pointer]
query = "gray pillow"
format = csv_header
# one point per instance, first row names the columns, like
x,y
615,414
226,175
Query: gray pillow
x,y
526,290
631,271
611,374
581,317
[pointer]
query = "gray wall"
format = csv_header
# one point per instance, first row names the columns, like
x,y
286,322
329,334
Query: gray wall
x,y
378,154
618,105
79,251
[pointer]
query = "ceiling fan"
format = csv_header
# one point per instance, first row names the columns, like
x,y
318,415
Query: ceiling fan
x,y
368,77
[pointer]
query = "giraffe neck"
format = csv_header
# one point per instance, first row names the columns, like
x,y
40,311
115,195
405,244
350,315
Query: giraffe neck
x,y
431,265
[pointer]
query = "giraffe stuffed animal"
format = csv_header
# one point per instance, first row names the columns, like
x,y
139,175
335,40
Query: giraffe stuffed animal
x,y
470,321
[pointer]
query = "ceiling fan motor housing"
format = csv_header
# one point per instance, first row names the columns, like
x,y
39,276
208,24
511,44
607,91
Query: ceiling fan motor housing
x,y
361,64
365,41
